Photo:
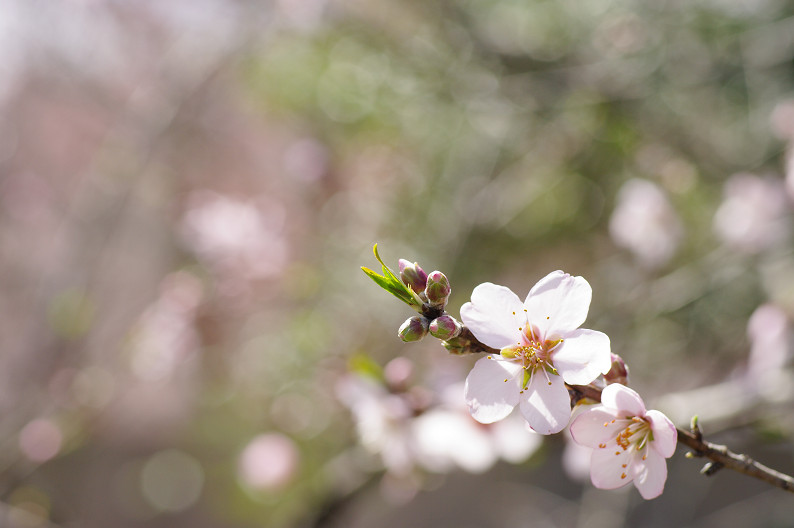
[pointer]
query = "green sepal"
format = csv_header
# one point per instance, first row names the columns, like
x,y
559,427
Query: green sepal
x,y
527,377
390,282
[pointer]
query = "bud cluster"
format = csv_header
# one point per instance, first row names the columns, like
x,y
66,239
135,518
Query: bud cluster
x,y
433,289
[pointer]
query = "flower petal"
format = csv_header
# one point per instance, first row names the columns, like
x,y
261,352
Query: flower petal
x,y
582,356
623,399
558,303
610,468
488,396
546,407
494,315
650,477
596,426
665,435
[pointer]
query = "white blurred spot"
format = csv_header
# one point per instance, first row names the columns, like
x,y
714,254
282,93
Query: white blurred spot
x,y
171,481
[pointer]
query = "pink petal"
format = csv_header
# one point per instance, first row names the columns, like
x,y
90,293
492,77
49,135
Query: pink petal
x,y
494,315
558,303
489,397
651,475
594,426
622,399
606,468
582,356
665,435
547,408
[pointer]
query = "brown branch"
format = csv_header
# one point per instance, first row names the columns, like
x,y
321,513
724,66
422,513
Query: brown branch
x,y
720,457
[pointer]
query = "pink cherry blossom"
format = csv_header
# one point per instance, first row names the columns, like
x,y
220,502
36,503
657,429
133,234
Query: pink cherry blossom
x,y
629,443
542,348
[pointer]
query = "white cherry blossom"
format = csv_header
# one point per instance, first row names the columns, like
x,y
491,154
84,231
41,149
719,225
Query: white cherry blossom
x,y
541,349
629,443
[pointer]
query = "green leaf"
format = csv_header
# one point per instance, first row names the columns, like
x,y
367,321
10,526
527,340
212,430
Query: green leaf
x,y
390,282
388,285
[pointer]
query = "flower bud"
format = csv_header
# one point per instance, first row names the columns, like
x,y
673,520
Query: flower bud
x,y
445,327
437,289
412,275
619,373
413,329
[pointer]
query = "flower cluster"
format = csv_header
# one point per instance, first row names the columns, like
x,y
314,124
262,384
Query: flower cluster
x,y
537,358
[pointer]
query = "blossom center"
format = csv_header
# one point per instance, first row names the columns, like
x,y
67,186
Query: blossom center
x,y
533,353
633,439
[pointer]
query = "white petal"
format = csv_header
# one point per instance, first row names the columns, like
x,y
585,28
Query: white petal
x,y
623,399
558,303
651,475
607,469
494,315
488,396
547,408
665,435
596,426
582,356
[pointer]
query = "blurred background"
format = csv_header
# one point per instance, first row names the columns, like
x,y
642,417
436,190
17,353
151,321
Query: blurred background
x,y
189,187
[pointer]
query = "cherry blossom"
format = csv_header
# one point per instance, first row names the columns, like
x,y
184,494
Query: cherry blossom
x,y
541,348
629,443
645,222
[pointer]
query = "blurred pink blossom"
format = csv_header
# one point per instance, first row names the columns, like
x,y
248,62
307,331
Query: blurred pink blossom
x,y
645,223
768,330
439,438
165,335
447,437
40,440
382,420
782,120
236,237
269,462
754,213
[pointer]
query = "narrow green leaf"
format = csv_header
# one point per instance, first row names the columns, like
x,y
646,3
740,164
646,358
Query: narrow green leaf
x,y
389,286
390,282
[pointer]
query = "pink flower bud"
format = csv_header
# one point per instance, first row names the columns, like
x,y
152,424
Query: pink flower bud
x,y
412,275
413,329
619,373
445,327
437,289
